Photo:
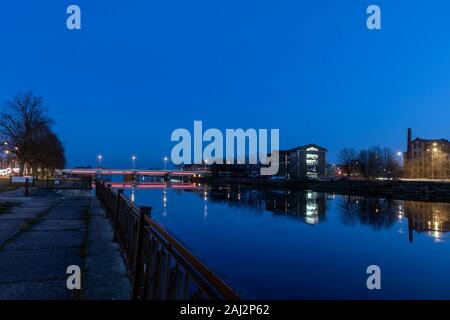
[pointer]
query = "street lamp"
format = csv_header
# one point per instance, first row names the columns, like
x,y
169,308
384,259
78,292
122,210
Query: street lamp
x,y
165,163
434,151
99,160
400,157
133,158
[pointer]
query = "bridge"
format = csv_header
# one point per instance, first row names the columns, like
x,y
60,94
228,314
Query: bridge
x,y
130,172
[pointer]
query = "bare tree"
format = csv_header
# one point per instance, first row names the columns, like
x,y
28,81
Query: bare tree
x,y
370,163
25,129
348,160
391,167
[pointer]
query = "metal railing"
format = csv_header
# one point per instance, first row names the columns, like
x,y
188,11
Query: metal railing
x,y
63,184
159,266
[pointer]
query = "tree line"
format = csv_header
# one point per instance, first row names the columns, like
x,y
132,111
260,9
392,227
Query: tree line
x,y
27,136
371,163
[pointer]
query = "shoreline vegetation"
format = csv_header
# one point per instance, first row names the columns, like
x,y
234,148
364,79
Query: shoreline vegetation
x,y
429,191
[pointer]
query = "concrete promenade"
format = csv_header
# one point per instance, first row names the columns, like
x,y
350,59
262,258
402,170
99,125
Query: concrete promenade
x,y
41,235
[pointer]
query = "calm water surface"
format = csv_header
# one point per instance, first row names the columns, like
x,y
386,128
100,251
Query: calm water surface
x,y
304,245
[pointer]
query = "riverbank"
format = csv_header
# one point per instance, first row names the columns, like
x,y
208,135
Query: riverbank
x,y
42,235
402,190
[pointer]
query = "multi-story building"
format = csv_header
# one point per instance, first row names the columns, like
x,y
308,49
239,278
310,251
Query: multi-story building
x,y
303,162
427,158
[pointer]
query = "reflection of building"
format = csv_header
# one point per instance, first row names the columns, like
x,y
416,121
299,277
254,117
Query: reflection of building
x,y
427,158
307,161
428,217
309,205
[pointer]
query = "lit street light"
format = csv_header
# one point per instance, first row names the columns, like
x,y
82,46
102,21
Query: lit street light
x,y
133,158
165,163
99,160
435,157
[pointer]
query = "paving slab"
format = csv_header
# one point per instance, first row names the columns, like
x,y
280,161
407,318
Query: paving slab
x,y
60,224
33,264
8,225
47,240
106,275
5,235
36,290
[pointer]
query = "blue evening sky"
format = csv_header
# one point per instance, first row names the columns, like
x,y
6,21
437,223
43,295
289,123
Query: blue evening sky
x,y
140,69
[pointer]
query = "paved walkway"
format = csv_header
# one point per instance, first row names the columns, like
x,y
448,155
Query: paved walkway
x,y
48,232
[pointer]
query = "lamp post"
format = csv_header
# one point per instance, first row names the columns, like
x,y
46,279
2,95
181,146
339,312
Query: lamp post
x,y
165,163
133,158
433,151
436,157
99,161
400,158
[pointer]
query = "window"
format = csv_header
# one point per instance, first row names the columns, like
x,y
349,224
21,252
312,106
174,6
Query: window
x,y
312,162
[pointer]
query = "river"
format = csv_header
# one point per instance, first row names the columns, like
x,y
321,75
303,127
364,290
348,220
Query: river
x,y
277,244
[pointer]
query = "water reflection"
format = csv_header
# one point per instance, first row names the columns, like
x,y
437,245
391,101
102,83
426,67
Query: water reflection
x,y
307,205
164,213
311,207
374,212
244,233
432,218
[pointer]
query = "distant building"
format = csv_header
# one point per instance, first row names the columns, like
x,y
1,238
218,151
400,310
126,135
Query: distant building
x,y
427,158
303,162
195,167
235,170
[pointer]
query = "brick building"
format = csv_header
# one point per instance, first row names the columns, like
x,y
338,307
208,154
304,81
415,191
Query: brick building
x,y
427,158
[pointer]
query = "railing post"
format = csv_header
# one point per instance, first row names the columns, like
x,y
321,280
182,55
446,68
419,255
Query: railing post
x,y
26,187
139,248
116,214
107,201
